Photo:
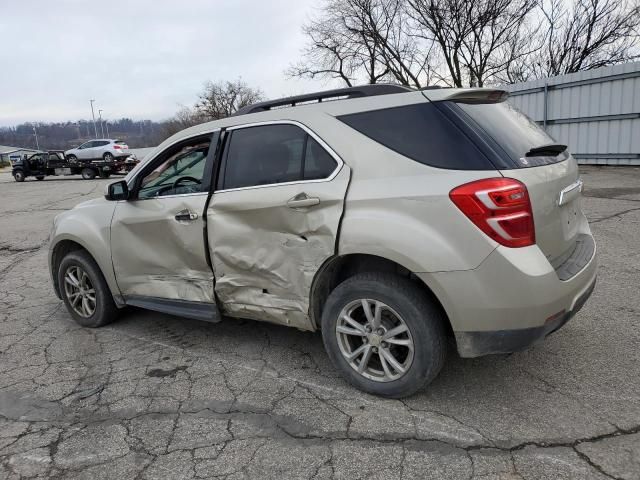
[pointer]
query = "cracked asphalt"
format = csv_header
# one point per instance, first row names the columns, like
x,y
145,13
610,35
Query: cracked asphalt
x,y
155,396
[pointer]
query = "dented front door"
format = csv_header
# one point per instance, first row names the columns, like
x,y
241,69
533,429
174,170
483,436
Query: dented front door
x,y
158,248
268,242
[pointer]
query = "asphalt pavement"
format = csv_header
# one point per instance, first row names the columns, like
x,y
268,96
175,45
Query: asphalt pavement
x,y
156,396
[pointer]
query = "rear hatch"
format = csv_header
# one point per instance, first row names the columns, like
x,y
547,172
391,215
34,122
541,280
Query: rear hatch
x,y
530,155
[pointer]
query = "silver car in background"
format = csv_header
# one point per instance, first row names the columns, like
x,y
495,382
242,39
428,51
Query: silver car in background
x,y
104,148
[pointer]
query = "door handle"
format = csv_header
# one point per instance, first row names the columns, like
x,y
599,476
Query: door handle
x,y
185,216
302,201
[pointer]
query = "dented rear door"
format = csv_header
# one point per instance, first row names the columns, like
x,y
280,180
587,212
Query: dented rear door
x,y
268,241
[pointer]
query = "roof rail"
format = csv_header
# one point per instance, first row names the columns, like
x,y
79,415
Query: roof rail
x,y
349,92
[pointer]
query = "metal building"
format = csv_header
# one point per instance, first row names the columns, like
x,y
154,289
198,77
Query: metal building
x,y
12,153
595,112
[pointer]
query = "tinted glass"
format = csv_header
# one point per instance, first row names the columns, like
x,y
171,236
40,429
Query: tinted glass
x,y
102,143
264,155
420,132
318,163
513,131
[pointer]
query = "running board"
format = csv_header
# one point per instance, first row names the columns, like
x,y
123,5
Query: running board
x,y
207,312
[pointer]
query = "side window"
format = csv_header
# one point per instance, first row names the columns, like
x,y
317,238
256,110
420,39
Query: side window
x,y
272,154
179,171
318,163
101,143
422,133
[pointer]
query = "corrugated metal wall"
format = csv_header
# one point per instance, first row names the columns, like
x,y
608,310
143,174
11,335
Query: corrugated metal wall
x,y
595,112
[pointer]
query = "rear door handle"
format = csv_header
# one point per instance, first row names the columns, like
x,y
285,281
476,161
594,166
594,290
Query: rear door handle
x,y
302,201
185,216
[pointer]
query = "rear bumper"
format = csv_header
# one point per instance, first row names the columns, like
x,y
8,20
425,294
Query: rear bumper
x,y
513,299
477,344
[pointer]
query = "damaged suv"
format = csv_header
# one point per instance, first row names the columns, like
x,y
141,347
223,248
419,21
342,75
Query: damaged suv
x,y
390,219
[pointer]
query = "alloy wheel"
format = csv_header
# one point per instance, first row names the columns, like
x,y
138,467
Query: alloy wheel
x,y
375,340
80,291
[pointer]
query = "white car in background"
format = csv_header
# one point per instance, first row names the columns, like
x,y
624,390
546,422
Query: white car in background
x,y
106,149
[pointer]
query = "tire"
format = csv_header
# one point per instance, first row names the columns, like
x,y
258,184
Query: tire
x,y
88,173
105,310
39,177
18,176
104,174
72,158
108,157
404,303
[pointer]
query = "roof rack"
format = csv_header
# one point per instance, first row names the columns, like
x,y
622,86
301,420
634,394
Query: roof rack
x,y
338,93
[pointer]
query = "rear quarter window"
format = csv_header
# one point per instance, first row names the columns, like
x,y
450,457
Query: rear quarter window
x,y
422,133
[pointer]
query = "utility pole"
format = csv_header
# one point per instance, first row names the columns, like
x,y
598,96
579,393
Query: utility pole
x,y
101,127
93,115
106,124
36,134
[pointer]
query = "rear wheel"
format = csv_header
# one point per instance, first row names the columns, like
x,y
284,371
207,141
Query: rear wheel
x,y
84,290
108,157
39,177
19,176
104,174
384,334
88,174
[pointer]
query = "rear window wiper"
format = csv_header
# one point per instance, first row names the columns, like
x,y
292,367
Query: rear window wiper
x,y
548,149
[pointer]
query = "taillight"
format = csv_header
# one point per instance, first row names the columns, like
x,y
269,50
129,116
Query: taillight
x,y
117,147
500,207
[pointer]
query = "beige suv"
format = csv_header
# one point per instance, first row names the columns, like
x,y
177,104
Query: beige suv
x,y
389,219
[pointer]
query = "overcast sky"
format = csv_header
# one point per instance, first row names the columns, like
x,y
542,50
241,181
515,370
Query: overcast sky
x,y
141,58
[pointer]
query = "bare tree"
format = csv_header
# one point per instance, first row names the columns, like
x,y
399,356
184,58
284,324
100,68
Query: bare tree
x,y
587,34
370,40
478,40
222,99
185,117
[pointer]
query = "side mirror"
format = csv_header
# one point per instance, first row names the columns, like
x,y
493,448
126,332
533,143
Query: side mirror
x,y
117,191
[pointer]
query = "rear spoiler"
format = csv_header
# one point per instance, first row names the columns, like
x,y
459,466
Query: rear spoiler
x,y
468,95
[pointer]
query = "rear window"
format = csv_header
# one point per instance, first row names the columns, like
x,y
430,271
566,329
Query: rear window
x,y
120,142
420,132
513,131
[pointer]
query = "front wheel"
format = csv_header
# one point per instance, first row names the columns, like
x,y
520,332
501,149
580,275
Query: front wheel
x,y
84,290
384,334
18,176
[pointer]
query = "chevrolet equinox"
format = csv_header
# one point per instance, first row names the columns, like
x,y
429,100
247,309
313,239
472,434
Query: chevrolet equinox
x,y
390,219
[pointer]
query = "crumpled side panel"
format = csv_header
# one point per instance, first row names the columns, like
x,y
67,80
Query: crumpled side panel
x,y
265,255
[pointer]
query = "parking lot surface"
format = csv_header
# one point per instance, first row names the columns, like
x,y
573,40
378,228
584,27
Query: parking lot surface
x,y
156,396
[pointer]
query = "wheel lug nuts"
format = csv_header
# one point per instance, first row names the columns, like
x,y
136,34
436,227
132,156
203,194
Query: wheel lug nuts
x,y
380,331
367,329
375,349
384,345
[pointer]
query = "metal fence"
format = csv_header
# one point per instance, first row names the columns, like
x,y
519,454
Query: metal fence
x,y
595,112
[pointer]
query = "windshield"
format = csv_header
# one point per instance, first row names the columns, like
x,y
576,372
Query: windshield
x,y
516,133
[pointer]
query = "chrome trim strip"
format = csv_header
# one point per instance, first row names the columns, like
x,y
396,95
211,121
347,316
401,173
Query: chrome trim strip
x,y
569,193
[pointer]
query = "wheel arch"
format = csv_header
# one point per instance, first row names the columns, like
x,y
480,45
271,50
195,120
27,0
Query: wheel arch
x,y
338,268
72,234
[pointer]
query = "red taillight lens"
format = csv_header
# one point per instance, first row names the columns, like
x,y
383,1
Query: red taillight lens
x,y
117,147
500,207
